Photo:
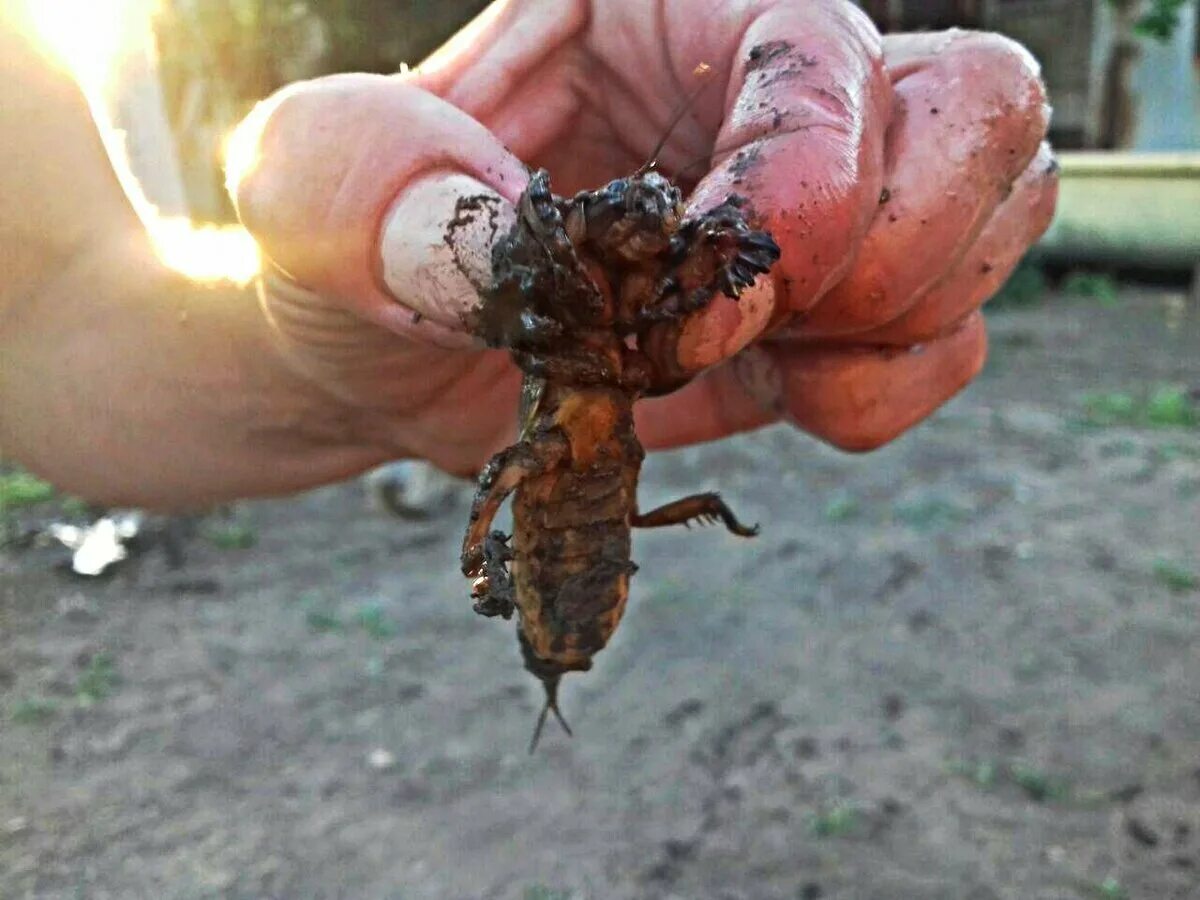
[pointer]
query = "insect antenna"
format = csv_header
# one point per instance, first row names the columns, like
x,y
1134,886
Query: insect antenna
x,y
551,686
702,71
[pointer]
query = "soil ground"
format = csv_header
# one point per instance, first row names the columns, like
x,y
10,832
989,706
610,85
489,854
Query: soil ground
x,y
965,666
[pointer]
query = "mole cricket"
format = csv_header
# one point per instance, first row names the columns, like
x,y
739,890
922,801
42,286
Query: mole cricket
x,y
586,294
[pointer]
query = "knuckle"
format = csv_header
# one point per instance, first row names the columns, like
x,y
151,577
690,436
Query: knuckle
x,y
1009,68
270,149
998,50
253,174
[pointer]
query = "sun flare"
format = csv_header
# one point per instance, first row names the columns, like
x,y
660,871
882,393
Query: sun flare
x,y
95,40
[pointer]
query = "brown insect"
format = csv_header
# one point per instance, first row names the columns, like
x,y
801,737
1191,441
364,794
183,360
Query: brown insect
x,y
586,295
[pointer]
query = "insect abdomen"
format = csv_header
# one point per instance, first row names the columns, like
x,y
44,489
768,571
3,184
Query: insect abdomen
x,y
572,566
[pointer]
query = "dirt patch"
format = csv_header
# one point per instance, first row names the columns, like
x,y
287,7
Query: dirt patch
x,y
762,54
962,667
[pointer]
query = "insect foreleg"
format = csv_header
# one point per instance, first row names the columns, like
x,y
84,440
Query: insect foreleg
x,y
704,508
716,252
485,553
499,478
493,591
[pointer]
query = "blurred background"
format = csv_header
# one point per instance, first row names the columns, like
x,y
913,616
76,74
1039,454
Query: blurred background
x,y
966,666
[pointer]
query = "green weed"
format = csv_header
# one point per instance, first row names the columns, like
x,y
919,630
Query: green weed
x,y
1115,408
1111,889
231,535
374,621
98,679
33,711
837,821
19,489
841,509
927,514
1096,286
1037,784
1165,407
985,774
1172,407
1175,577
541,892
321,620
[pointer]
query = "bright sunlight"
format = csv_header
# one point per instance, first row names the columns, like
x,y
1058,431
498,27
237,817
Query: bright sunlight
x,y
92,38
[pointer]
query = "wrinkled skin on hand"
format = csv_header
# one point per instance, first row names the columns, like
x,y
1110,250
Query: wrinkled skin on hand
x,y
902,178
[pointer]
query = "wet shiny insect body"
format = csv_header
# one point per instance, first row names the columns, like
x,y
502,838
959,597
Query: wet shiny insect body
x,y
587,295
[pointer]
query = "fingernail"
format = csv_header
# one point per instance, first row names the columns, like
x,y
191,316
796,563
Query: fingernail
x,y
726,326
437,241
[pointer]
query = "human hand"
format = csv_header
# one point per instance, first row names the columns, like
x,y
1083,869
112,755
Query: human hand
x,y
902,179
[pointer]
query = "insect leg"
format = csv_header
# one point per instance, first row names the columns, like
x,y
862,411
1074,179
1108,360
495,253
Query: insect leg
x,y
499,478
703,508
493,591
576,296
714,253
485,554
675,304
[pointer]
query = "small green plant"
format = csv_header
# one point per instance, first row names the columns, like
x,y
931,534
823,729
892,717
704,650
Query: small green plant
x,y
1111,889
98,679
1093,286
982,774
837,821
19,489
541,892
231,535
322,620
1036,783
1166,406
1114,408
841,508
986,774
374,621
1175,577
927,514
1171,407
1160,21
33,711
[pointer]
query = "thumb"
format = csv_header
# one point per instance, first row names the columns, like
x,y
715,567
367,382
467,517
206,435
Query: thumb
x,y
377,195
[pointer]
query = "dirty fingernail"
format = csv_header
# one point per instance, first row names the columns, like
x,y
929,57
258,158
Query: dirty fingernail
x,y
436,245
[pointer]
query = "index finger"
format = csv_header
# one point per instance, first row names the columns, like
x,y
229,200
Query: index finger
x,y
806,110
